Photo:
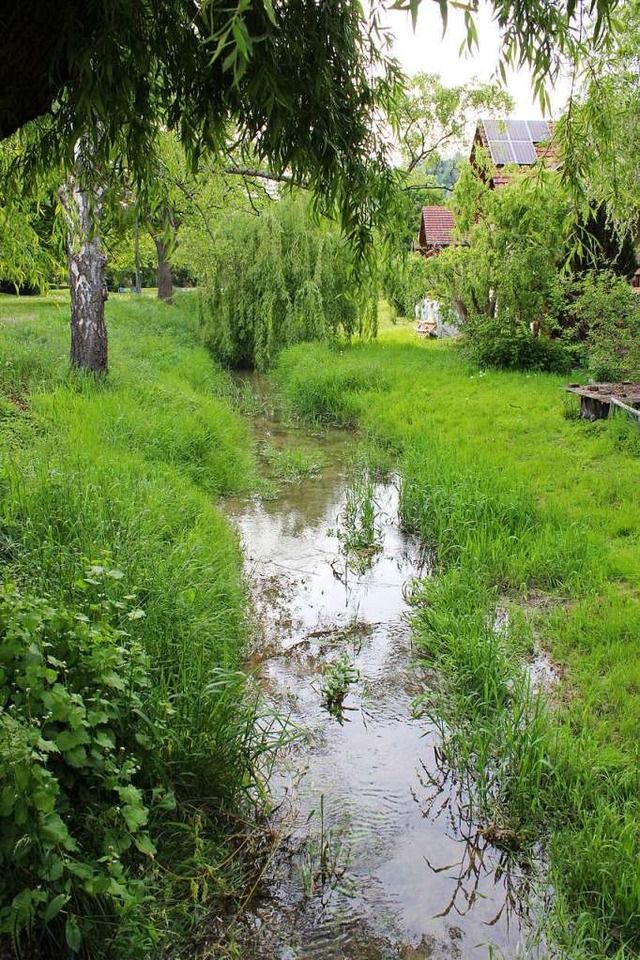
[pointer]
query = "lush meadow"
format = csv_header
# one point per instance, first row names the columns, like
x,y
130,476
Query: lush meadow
x,y
534,518
127,733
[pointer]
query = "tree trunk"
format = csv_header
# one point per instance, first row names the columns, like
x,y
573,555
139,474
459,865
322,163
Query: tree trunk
x,y
137,254
83,209
461,309
165,280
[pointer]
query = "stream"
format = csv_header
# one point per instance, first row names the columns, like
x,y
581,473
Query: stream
x,y
375,860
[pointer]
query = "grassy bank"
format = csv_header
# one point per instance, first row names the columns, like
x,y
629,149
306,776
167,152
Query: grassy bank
x,y
531,511
126,739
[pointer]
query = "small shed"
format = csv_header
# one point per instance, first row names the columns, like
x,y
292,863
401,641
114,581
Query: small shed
x,y
436,230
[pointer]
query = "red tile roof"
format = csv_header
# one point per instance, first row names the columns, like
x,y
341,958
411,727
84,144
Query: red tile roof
x,y
436,227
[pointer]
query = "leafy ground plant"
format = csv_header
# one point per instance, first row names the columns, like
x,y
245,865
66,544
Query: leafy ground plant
x,y
337,677
78,777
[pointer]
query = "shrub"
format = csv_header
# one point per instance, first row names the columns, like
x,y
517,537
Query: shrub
x,y
606,313
77,778
507,343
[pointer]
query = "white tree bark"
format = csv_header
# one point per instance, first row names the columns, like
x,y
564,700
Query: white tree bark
x,y
83,211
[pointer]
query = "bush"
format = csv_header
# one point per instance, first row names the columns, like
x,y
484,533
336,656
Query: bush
x,y
510,344
77,776
606,313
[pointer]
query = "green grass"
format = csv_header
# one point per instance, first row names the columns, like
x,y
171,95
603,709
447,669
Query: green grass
x,y
129,469
529,508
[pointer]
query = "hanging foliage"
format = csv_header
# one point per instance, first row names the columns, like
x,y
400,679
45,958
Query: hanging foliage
x,y
277,279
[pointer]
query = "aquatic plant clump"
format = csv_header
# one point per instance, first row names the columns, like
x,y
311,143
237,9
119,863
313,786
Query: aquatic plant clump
x,y
358,524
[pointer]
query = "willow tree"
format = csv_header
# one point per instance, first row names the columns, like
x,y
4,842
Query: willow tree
x,y
302,84
279,278
600,135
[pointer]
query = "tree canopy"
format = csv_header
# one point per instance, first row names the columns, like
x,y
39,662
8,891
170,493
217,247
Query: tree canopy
x,y
302,83
600,134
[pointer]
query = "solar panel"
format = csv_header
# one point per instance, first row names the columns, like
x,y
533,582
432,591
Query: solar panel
x,y
501,151
495,130
518,130
512,141
523,151
539,130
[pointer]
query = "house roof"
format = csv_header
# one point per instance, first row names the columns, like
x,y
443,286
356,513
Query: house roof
x,y
436,227
515,141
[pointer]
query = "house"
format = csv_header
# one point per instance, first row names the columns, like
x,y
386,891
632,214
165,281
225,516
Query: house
x,y
436,230
523,142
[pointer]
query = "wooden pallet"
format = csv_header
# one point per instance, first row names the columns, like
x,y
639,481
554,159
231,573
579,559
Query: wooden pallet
x,y
596,399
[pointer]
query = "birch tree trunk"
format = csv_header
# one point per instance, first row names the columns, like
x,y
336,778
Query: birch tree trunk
x,y
83,210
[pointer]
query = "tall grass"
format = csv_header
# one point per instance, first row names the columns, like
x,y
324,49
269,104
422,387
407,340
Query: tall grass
x,y
128,470
526,509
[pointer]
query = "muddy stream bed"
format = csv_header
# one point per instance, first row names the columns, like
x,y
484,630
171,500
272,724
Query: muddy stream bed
x,y
372,865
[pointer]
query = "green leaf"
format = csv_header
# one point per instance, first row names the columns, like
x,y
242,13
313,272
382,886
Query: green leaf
x,y
55,906
53,829
72,934
145,844
105,739
444,14
270,12
68,739
77,757
135,817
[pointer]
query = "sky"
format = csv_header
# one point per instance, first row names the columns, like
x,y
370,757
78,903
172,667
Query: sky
x,y
426,50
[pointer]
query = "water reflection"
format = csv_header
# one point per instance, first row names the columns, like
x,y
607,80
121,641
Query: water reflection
x,y
377,861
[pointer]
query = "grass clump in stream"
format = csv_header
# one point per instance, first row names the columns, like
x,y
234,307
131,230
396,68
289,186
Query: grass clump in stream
x,y
358,524
518,503
124,583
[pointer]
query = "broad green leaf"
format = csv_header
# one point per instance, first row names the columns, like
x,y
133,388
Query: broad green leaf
x,y
72,934
55,906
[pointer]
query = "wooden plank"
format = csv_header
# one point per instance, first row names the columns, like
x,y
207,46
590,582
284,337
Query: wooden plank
x,y
625,407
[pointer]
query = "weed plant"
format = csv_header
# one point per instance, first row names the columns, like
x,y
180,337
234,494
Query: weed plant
x,y
525,508
337,677
358,527
291,465
324,859
121,476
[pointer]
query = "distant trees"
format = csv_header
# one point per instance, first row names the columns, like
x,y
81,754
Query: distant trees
x,y
434,123
504,272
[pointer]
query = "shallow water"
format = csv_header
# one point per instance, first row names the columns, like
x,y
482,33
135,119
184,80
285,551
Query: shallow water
x,y
376,862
